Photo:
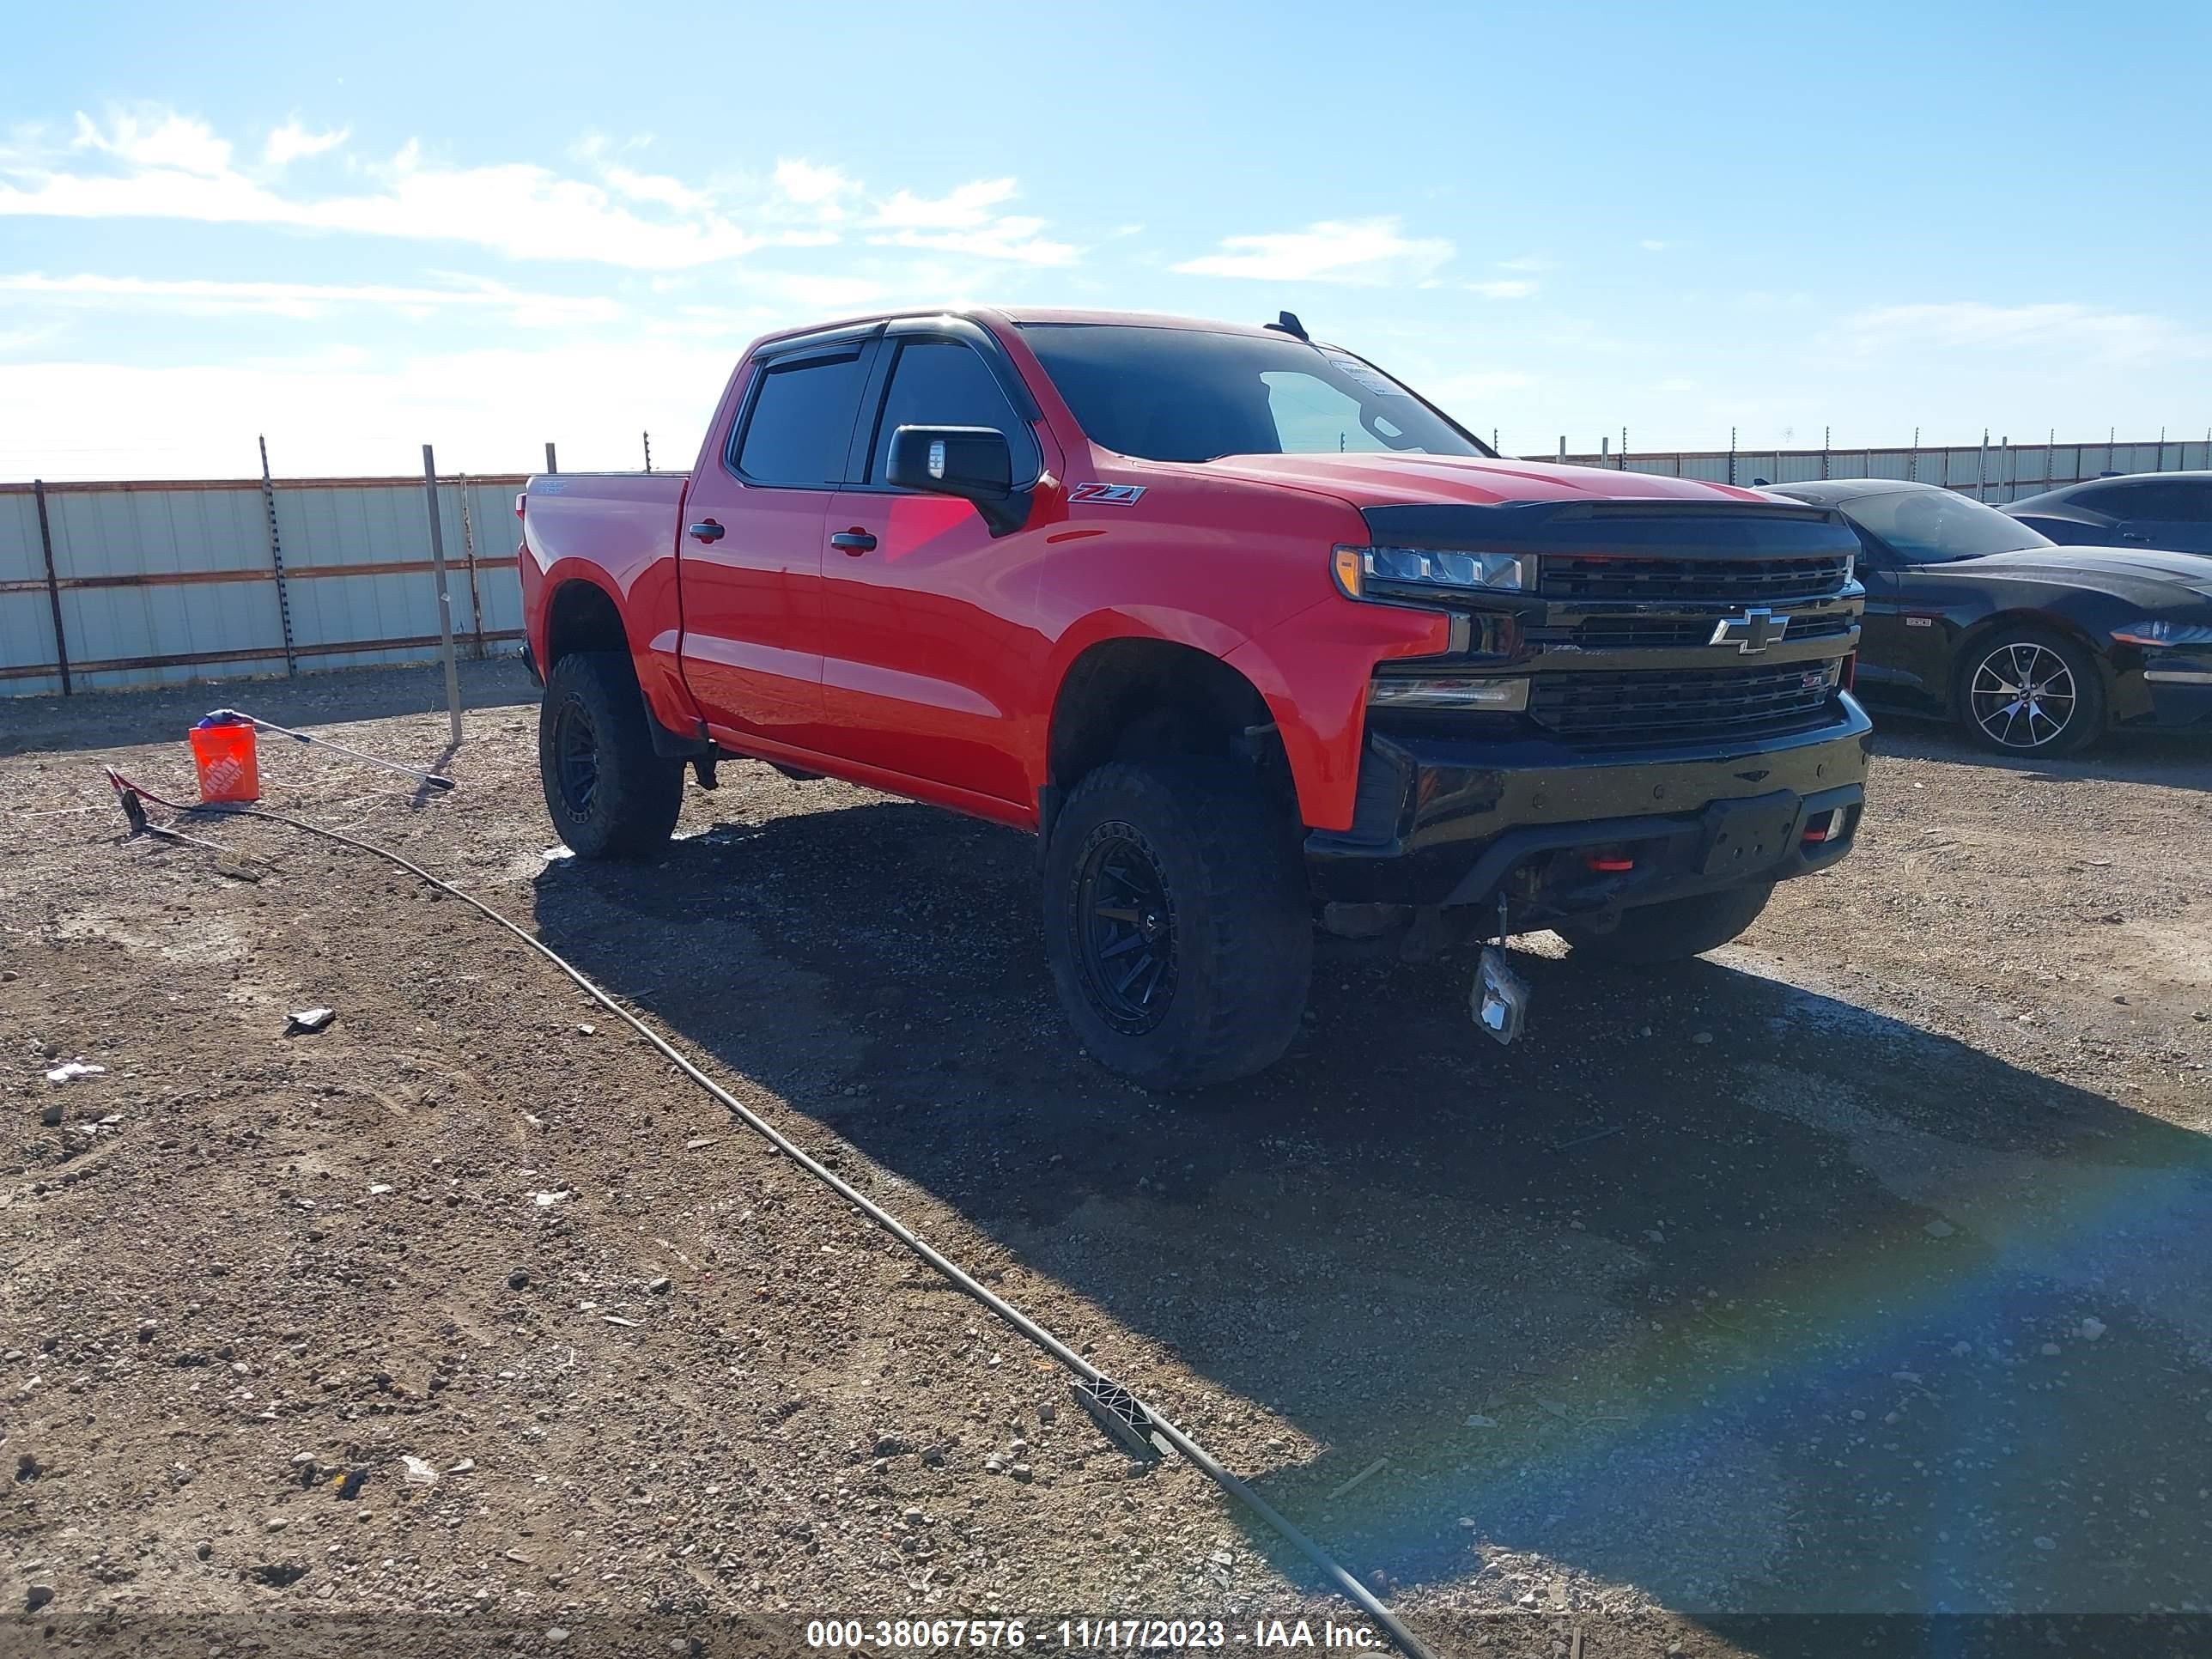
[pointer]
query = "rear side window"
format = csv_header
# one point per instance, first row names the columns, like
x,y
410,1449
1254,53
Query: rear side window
x,y
2183,499
802,421
942,383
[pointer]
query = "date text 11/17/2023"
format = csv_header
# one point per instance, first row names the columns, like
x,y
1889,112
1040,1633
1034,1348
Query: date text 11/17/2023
x,y
1090,1635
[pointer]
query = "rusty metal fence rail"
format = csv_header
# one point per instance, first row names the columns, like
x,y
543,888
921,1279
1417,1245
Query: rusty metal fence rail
x,y
107,585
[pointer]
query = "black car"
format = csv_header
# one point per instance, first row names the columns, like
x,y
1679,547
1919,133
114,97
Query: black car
x,y
2037,648
2171,510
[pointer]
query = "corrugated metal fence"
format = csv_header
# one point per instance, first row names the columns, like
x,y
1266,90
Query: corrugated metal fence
x,y
104,586
1990,473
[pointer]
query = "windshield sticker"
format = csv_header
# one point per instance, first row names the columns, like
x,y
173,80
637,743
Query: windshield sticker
x,y
1105,494
1373,380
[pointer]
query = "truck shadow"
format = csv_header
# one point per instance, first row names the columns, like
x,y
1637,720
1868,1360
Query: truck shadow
x,y
1725,1290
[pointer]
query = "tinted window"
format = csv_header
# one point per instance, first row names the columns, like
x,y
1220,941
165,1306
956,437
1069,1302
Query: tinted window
x,y
1931,526
1181,394
943,383
802,421
2181,499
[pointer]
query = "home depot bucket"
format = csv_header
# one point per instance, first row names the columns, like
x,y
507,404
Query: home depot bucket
x,y
228,767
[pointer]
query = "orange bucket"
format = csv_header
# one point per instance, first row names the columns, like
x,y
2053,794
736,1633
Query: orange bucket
x,y
228,767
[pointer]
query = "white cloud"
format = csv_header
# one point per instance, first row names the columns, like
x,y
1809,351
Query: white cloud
x,y
160,165
292,143
963,221
1333,250
657,188
1012,238
1651,244
817,187
966,207
179,169
1514,289
1971,324
1535,263
157,140
302,299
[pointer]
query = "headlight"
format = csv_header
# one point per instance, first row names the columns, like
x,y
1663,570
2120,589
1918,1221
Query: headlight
x,y
1416,572
2162,631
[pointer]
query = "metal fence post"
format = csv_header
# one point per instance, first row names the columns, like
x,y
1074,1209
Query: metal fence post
x,y
1731,455
276,561
445,603
468,561
53,587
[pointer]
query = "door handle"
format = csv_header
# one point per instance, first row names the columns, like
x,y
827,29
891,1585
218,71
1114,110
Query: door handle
x,y
854,541
2135,536
705,531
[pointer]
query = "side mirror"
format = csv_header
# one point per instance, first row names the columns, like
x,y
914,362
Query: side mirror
x,y
974,462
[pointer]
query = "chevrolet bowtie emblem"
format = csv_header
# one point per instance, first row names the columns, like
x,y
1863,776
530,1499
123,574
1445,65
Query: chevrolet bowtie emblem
x,y
1755,630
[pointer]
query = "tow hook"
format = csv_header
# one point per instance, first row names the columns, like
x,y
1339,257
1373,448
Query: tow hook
x,y
1499,999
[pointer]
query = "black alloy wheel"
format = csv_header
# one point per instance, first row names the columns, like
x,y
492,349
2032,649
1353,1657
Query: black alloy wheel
x,y
1125,921
2029,692
576,750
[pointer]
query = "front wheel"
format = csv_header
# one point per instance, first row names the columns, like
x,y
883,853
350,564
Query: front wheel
x,y
608,794
1673,930
1177,921
2024,691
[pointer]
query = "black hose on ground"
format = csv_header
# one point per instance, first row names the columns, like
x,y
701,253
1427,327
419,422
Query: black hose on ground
x,y
1406,1642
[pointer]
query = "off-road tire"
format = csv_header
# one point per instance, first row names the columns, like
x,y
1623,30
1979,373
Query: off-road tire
x,y
1673,931
633,795
1238,924
2085,712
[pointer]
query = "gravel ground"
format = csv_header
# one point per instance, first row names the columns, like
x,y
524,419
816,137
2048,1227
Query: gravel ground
x,y
1859,1270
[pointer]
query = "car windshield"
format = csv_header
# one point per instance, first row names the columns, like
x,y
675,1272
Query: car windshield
x,y
1934,527
1184,394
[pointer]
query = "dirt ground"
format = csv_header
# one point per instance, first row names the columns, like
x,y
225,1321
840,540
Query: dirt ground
x,y
1860,1271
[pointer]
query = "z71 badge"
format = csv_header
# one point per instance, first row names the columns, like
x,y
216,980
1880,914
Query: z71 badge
x,y
1105,495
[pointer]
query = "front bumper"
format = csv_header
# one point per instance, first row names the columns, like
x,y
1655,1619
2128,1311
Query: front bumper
x,y
1445,821
2180,688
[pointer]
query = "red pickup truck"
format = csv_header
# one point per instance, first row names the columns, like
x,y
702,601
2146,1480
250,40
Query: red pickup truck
x,y
1250,635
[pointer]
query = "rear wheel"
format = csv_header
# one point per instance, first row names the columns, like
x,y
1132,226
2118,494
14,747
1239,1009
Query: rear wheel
x,y
1176,923
2024,691
1673,931
608,794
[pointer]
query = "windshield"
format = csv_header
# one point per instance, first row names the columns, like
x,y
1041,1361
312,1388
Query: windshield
x,y
1934,526
1183,394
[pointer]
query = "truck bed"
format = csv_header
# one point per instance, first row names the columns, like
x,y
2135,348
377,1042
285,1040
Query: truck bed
x,y
619,520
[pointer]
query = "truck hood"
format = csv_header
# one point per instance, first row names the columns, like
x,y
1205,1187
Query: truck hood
x,y
1462,480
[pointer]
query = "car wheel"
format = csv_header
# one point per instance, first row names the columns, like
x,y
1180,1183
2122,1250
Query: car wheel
x,y
609,795
2025,691
1672,930
1177,921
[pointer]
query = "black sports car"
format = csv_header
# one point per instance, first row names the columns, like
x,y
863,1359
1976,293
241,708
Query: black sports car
x,y
2171,510
2037,648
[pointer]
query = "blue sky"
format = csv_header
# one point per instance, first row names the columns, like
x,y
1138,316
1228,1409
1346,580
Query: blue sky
x,y
482,228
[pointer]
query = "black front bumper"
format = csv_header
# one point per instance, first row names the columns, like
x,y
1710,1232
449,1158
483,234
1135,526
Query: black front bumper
x,y
1446,821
